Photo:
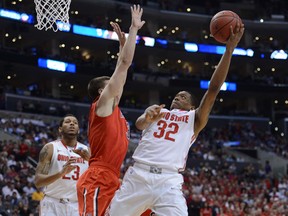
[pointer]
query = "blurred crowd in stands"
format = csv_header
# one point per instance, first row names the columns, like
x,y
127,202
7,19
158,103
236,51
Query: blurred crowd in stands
x,y
220,184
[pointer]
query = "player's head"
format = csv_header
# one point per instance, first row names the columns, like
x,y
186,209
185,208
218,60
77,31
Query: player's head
x,y
184,100
68,126
96,86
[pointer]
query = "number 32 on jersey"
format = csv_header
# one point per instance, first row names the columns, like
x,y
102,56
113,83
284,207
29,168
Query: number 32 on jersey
x,y
166,130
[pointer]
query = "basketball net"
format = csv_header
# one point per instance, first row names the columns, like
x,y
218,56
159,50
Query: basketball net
x,y
50,12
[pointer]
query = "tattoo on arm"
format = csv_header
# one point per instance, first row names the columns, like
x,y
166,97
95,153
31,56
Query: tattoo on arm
x,y
43,154
44,169
43,165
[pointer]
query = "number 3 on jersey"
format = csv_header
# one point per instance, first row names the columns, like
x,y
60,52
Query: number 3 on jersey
x,y
75,175
166,130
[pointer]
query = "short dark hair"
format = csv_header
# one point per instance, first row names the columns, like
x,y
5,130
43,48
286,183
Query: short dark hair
x,y
95,84
62,120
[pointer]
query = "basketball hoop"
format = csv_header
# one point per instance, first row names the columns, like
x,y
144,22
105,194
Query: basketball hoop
x,y
51,13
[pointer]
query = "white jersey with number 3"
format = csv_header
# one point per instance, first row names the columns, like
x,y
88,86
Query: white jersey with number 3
x,y
65,187
166,143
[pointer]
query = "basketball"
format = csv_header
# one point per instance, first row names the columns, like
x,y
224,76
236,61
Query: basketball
x,y
220,25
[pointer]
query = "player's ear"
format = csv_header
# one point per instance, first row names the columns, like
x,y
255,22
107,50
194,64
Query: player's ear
x,y
60,129
100,90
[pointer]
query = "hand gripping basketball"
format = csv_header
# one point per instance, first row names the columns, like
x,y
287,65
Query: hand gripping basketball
x,y
220,25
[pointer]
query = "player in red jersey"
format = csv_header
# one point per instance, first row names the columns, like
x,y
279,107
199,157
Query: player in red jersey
x,y
108,130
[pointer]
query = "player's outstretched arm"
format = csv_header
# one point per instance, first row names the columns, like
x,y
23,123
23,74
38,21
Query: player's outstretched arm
x,y
41,176
121,37
217,79
113,91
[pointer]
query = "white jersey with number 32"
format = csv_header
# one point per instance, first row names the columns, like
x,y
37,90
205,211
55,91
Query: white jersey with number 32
x,y
65,187
166,143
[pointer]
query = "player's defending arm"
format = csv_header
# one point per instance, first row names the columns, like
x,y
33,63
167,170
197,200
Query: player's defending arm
x,y
151,114
217,79
112,93
41,176
121,38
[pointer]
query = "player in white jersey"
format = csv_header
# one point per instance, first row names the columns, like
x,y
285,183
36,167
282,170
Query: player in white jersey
x,y
154,180
61,162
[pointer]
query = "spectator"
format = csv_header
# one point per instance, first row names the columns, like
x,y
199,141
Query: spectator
x,y
29,189
30,177
9,189
23,150
206,210
11,160
268,168
24,210
14,199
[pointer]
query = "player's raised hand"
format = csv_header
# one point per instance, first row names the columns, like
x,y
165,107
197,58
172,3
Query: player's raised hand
x,y
235,36
69,166
120,34
152,113
136,13
83,153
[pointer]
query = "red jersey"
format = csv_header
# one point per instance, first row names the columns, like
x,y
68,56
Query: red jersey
x,y
108,137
